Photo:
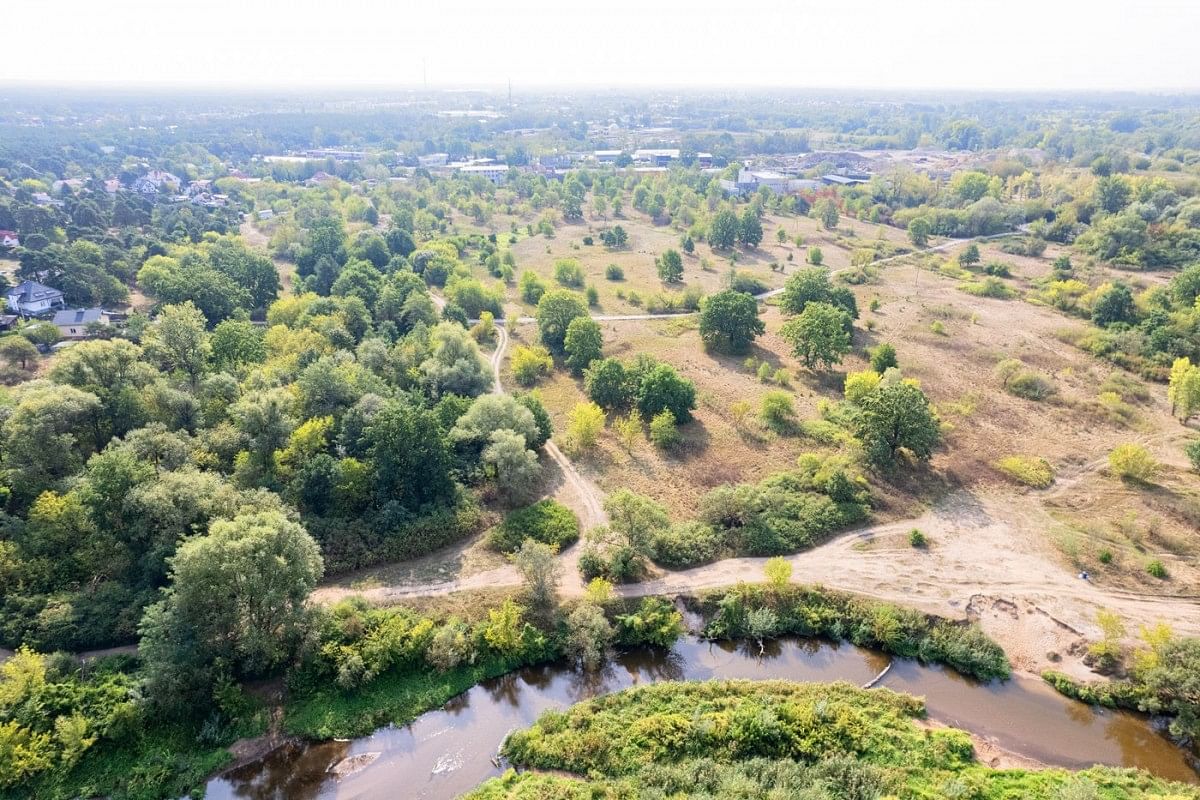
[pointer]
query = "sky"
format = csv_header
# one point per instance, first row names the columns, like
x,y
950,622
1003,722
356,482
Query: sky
x,y
934,44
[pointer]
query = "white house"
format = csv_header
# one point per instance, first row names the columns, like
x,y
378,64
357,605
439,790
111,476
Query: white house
x,y
606,156
72,322
31,298
8,239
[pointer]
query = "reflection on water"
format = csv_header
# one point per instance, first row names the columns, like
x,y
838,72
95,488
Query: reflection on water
x,y
447,752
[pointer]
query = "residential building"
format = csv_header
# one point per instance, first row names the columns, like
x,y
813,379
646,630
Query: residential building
x,y
433,160
72,323
844,180
156,180
607,156
496,173
9,239
30,298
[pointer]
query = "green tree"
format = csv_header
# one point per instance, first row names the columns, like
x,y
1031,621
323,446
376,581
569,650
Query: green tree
x,y
827,210
918,231
662,388
729,321
589,635
514,468
815,256
883,358
723,231
530,364
584,424
818,336
555,311
1114,305
778,571
636,518
18,351
238,598
237,343
410,457
750,231
969,256
806,286
584,343
608,383
670,266
894,417
539,568
1183,389
531,287
183,340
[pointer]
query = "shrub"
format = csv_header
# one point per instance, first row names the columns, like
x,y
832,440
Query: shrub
x,y
746,282
568,272
778,571
1105,556
663,430
1132,462
938,328
614,273
989,287
1028,470
1192,449
916,538
861,384
883,358
546,521
1024,383
531,364
687,544
531,287
592,296
1156,569
777,411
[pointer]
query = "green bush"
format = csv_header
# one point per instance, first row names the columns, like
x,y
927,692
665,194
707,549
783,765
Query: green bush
x,y
1192,450
614,273
1028,470
546,521
916,538
687,544
1156,569
1132,462
989,287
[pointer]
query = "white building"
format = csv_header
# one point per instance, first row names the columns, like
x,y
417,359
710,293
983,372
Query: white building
x,y
658,157
496,173
31,297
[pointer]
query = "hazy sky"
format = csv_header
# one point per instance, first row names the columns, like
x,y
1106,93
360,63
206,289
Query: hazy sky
x,y
967,44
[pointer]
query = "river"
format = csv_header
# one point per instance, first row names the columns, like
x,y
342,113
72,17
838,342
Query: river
x,y
447,752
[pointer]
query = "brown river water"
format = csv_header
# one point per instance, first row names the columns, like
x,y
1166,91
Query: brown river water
x,y
447,752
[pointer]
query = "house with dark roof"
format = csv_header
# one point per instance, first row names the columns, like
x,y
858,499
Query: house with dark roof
x,y
72,323
31,298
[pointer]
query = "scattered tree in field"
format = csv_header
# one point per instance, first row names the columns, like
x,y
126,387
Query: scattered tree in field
x,y
530,364
670,266
969,256
750,231
614,237
815,256
598,591
1192,450
629,429
781,236
827,211
729,321
613,272
818,336
584,425
555,311
531,287
897,417
607,383
778,571
583,343
688,245
662,388
568,272
918,232
723,231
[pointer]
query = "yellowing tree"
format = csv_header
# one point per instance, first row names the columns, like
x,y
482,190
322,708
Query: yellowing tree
x,y
584,425
1183,390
